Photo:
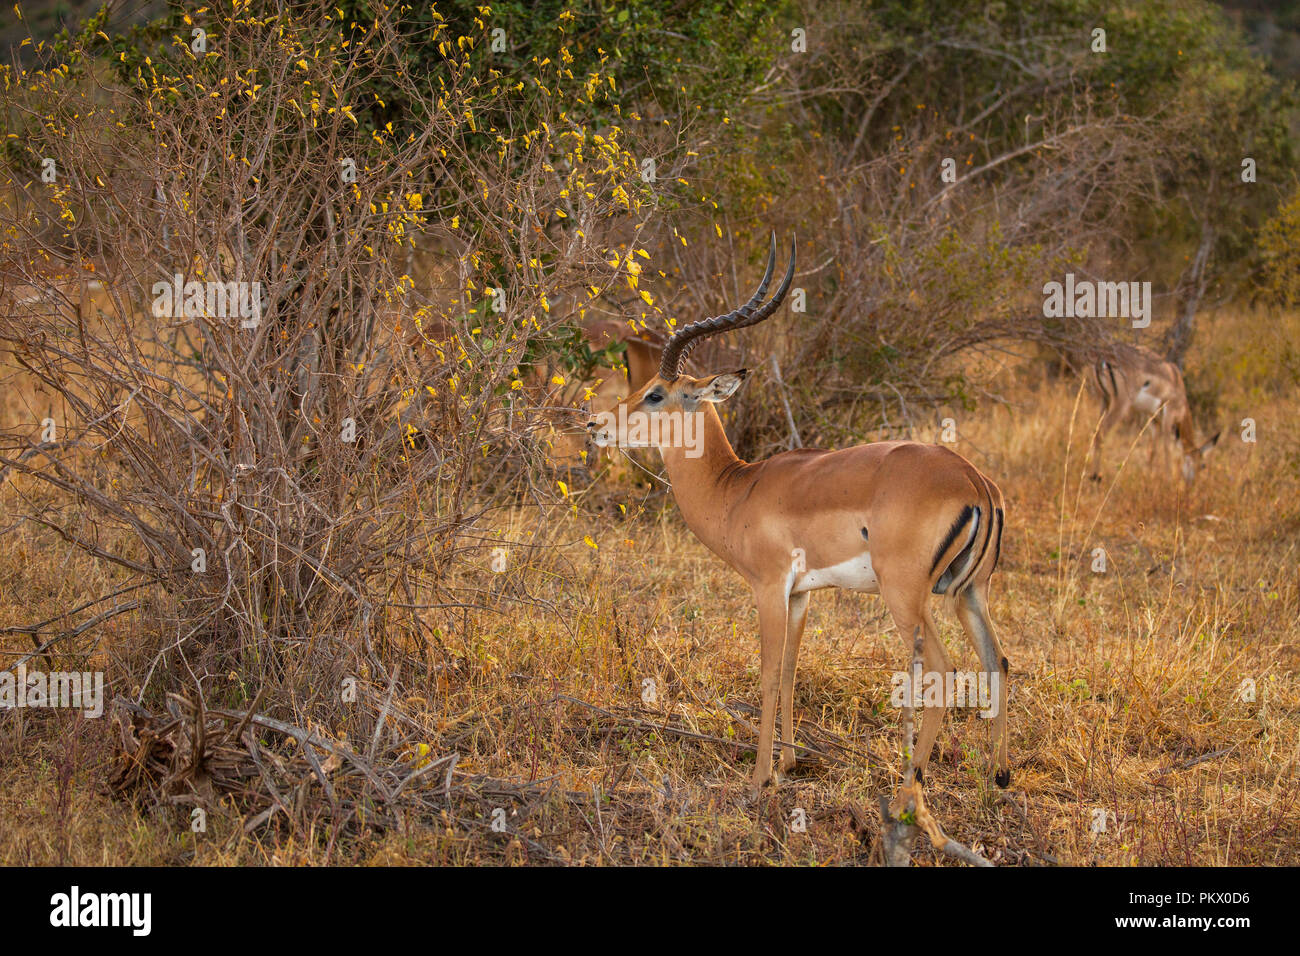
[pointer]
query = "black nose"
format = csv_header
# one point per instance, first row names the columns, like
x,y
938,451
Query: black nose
x,y
592,424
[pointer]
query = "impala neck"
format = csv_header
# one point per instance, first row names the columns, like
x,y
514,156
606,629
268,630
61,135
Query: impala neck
x,y
1187,433
702,484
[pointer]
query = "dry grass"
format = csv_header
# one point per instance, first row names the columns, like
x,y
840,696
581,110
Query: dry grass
x,y
1124,695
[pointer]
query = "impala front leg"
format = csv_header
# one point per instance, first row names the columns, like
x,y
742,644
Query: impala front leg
x,y
1114,413
789,661
773,617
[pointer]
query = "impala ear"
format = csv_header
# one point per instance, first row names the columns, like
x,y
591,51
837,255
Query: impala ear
x,y
1209,445
722,386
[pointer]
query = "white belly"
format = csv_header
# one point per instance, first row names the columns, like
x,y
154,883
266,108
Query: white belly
x,y
856,574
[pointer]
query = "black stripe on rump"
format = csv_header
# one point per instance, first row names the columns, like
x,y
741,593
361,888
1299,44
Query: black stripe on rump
x,y
997,549
984,546
957,526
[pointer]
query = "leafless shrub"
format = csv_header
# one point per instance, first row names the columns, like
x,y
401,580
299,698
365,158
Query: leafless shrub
x,y
268,419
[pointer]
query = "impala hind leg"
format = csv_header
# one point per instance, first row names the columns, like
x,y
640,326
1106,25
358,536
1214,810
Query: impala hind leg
x,y
972,610
908,609
916,750
798,616
773,621
936,662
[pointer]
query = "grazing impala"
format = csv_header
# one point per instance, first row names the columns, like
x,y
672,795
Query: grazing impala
x,y
900,519
1134,380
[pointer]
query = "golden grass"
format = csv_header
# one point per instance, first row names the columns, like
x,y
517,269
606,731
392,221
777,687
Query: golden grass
x,y
1125,685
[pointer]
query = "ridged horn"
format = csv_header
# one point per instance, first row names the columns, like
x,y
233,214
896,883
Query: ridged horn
x,y
687,337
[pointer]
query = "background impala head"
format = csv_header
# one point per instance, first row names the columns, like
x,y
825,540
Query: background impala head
x,y
660,413
1193,454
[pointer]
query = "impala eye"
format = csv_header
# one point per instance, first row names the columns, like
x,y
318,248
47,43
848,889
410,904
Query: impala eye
x,y
654,398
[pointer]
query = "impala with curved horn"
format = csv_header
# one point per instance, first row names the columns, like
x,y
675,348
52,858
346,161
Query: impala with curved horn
x,y
901,519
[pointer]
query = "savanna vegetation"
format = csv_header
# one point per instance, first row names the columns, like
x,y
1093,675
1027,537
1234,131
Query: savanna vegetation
x,y
359,592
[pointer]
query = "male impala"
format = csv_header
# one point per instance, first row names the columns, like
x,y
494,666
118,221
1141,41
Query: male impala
x,y
899,518
1134,380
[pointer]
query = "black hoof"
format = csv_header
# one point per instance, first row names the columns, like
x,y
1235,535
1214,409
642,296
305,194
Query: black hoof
x,y
1002,778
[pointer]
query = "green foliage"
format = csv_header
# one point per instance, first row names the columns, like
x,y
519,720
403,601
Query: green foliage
x,y
1178,67
1279,247
665,53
